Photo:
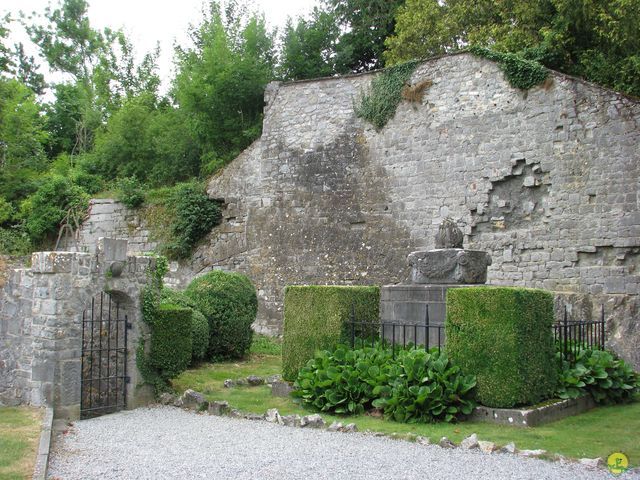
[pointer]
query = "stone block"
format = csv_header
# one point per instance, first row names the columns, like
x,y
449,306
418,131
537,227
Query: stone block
x,y
112,250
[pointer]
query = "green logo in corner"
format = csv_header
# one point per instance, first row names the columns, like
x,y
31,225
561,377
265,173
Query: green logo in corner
x,y
617,463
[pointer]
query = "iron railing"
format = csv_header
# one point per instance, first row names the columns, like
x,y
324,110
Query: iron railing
x,y
572,335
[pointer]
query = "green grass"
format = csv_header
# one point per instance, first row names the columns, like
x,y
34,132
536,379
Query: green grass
x,y
596,433
19,435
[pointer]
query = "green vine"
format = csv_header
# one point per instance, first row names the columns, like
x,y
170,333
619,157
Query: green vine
x,y
520,73
379,105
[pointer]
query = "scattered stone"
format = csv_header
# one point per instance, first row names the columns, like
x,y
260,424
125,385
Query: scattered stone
x,y
233,413
273,378
312,421
509,448
194,400
291,420
228,383
487,447
254,380
532,453
281,389
273,416
253,416
335,427
167,398
219,408
178,402
470,442
446,443
591,462
560,458
349,428
423,440
241,382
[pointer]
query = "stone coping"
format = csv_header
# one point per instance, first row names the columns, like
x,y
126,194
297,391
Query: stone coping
x,y
42,458
533,416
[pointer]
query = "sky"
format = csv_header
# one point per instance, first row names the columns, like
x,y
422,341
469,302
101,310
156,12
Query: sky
x,y
149,21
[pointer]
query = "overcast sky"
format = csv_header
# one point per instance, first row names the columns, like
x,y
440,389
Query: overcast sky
x,y
148,21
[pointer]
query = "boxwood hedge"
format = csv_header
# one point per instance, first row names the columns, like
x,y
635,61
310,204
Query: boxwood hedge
x,y
504,337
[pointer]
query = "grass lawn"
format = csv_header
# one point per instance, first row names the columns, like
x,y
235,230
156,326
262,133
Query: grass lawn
x,y
596,433
19,437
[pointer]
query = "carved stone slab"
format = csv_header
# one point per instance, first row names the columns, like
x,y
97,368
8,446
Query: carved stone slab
x,y
449,266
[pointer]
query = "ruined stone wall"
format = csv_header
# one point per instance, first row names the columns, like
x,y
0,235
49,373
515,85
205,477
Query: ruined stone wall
x,y
546,180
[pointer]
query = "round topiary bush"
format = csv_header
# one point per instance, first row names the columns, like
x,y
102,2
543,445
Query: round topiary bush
x,y
229,303
199,324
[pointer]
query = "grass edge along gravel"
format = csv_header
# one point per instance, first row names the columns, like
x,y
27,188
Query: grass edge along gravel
x,y
19,437
596,433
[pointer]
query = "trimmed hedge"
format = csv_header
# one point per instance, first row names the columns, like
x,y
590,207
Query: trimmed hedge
x,y
314,319
230,304
170,351
199,324
503,336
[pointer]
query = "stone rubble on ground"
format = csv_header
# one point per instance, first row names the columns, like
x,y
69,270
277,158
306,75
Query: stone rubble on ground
x,y
273,416
254,380
291,420
423,440
487,447
218,408
194,400
335,427
446,443
470,442
312,421
509,448
532,453
591,462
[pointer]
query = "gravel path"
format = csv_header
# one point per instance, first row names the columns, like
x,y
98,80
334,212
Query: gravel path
x,y
166,442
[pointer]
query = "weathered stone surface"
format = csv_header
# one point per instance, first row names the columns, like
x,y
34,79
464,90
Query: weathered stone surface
x,y
532,453
350,428
487,447
423,440
281,389
167,398
229,383
273,378
194,400
218,408
335,427
312,421
509,448
291,420
254,380
253,416
446,443
235,413
470,442
449,266
449,234
273,416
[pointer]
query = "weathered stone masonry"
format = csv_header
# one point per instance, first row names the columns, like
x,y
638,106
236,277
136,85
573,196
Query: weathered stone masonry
x,y
546,181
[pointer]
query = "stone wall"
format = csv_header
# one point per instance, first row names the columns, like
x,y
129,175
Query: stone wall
x,y
41,312
545,180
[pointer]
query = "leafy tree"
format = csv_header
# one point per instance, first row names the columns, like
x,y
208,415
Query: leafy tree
x,y
27,70
221,79
5,52
308,48
365,25
599,41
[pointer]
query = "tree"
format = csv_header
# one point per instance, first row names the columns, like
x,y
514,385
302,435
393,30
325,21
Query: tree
x,y
308,49
597,40
365,25
221,79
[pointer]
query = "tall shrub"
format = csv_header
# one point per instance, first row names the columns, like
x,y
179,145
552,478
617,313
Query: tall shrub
x,y
503,336
315,316
230,304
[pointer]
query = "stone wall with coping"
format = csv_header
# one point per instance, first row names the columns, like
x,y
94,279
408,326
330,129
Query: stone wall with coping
x,y
41,324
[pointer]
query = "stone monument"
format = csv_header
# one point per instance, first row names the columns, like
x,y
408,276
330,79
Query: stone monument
x,y
421,303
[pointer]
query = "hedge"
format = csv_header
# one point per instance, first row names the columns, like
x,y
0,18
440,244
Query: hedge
x,y
199,324
504,337
230,304
170,351
314,319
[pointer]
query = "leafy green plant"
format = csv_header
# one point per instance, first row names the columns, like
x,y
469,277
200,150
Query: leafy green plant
x,y
130,192
199,324
194,214
229,303
315,318
598,373
343,380
425,387
264,345
380,104
520,72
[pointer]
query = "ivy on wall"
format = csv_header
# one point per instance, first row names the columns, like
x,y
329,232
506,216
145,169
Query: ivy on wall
x,y
521,73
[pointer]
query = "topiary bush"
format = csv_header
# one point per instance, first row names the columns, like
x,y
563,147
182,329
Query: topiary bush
x,y
601,374
315,316
170,349
503,336
199,324
230,304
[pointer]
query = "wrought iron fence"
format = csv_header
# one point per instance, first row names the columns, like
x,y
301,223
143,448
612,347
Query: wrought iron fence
x,y
572,335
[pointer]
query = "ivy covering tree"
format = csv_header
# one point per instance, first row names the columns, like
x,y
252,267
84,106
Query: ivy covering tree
x,y
599,41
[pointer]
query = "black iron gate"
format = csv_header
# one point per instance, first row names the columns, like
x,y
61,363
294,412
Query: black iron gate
x,y
104,357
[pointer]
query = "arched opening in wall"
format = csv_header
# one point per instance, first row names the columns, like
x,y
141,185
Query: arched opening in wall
x,y
105,327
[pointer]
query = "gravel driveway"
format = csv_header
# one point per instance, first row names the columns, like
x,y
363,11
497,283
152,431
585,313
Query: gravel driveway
x,y
166,442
